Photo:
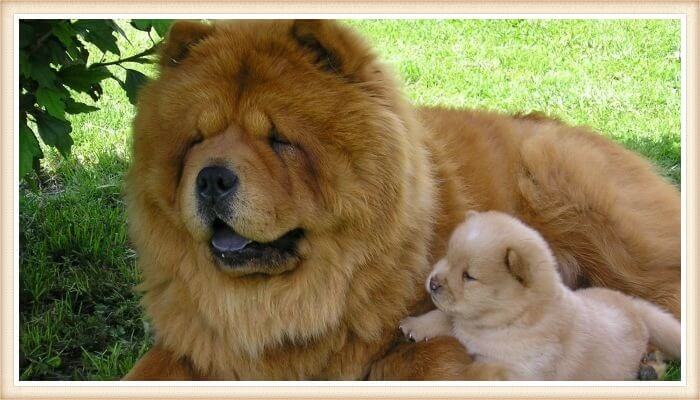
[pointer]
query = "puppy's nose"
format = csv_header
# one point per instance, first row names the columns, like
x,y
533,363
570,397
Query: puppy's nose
x,y
215,183
434,284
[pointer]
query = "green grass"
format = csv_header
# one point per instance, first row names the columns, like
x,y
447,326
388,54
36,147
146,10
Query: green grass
x,y
79,315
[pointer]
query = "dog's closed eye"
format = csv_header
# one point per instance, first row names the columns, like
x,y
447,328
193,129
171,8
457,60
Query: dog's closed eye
x,y
467,277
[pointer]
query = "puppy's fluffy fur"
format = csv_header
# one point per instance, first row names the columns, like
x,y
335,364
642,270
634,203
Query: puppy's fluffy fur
x,y
375,185
498,291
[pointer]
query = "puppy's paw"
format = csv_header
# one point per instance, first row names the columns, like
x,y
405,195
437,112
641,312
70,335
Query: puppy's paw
x,y
415,329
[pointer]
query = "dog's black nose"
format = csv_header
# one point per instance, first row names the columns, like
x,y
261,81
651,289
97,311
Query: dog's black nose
x,y
215,183
434,284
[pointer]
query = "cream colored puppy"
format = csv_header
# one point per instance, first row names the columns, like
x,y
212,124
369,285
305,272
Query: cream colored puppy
x,y
498,291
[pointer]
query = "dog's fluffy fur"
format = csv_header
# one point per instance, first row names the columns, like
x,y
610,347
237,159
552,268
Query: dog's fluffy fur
x,y
498,291
375,185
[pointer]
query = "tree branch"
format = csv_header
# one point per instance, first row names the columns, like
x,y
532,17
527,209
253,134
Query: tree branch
x,y
127,59
43,37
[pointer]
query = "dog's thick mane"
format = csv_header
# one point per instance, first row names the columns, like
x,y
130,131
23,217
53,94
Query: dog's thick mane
x,y
335,296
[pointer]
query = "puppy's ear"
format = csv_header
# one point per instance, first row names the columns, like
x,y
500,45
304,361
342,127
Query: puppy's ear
x,y
180,38
470,214
334,48
517,266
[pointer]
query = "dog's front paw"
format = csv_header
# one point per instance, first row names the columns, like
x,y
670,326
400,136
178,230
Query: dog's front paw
x,y
415,328
653,365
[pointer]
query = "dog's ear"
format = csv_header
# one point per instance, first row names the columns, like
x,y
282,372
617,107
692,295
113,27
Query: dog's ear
x,y
470,214
517,266
334,48
180,38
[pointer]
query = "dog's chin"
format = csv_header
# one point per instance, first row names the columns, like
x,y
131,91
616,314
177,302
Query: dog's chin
x,y
439,301
446,303
259,270
238,255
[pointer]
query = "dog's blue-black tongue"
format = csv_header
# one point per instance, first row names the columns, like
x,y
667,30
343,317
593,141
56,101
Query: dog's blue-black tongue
x,y
226,240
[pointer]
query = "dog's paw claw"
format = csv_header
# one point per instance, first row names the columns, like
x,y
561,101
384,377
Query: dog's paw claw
x,y
413,330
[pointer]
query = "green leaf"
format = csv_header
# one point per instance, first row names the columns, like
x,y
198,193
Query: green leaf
x,y
56,52
83,79
161,26
28,148
55,132
26,34
25,68
65,33
26,101
141,24
118,29
74,107
100,33
52,101
95,91
133,82
40,71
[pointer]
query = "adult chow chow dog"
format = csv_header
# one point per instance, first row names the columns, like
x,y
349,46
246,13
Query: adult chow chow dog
x,y
287,203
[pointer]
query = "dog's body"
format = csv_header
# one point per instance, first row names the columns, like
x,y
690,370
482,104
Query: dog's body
x,y
499,293
375,186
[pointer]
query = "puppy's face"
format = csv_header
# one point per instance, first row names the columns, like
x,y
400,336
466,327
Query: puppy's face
x,y
488,273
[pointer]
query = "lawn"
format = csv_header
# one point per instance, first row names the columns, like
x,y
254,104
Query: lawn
x,y
79,314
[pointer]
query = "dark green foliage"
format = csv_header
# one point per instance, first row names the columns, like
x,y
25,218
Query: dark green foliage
x,y
159,25
82,79
54,132
99,32
133,82
29,149
55,64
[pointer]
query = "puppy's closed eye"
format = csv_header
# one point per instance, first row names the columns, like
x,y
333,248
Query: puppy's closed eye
x,y
467,277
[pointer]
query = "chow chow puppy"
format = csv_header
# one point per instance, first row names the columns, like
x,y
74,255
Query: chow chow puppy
x,y
286,204
499,293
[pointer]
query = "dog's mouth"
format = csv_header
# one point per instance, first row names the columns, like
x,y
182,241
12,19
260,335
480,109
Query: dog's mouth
x,y
234,250
438,299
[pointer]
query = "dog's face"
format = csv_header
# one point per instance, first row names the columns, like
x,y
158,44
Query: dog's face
x,y
492,268
253,141
249,197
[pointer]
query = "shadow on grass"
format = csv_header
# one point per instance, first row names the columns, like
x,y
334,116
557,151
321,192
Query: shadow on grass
x,y
79,314
662,151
